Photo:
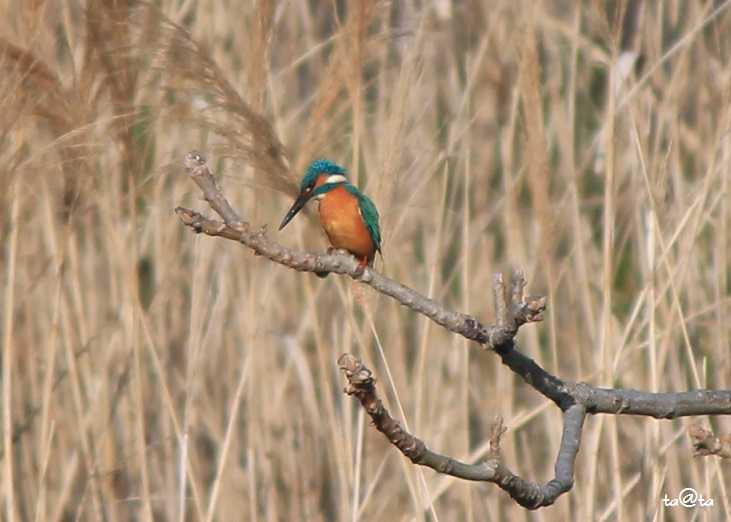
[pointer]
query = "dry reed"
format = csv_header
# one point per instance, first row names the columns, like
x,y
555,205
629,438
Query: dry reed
x,y
149,374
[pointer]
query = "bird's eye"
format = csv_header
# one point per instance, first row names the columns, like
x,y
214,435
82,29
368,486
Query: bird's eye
x,y
308,189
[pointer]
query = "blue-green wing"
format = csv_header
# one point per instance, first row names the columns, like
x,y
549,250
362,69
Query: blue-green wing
x,y
370,215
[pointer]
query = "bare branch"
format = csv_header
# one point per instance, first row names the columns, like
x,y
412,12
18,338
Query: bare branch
x,y
543,382
528,494
235,229
195,164
616,401
705,443
669,405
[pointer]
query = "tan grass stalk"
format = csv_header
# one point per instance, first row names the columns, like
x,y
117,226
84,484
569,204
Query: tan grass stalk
x,y
9,354
224,453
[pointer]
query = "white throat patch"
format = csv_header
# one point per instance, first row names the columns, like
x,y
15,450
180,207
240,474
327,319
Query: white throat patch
x,y
335,178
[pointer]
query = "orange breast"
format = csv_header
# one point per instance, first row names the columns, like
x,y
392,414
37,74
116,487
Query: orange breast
x,y
340,217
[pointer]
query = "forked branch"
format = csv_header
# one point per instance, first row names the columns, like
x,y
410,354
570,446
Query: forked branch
x,y
514,309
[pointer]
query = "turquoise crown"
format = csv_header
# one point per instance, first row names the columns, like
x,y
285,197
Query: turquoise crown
x,y
320,166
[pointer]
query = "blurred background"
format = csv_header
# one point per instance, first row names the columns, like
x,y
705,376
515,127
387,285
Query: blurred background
x,y
150,373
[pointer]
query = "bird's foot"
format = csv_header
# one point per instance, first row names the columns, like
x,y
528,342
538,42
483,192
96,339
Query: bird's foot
x,y
331,251
363,262
362,265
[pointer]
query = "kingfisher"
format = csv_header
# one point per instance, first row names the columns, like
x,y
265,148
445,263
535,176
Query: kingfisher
x,y
349,217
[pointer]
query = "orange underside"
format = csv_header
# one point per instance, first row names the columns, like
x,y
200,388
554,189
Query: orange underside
x,y
340,217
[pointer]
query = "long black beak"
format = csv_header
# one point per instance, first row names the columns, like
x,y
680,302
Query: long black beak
x,y
300,202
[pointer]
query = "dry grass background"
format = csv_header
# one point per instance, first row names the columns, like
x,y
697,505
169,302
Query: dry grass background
x,y
134,351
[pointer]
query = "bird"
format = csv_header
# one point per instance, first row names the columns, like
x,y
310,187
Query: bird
x,y
348,217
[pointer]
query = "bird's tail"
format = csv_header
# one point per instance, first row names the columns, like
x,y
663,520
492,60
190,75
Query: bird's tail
x,y
383,261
